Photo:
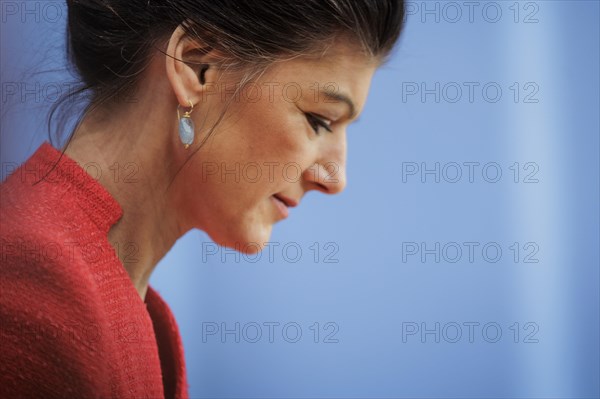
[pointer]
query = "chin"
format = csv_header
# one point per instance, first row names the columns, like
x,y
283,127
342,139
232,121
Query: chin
x,y
247,241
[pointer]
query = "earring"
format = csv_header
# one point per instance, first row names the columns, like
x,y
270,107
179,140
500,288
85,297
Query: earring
x,y
186,126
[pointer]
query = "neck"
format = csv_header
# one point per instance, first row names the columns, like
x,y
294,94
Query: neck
x,y
131,150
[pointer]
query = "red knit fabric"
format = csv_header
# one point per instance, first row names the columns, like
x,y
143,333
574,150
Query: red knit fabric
x,y
72,323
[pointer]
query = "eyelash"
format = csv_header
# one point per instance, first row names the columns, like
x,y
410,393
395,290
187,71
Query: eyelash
x,y
317,122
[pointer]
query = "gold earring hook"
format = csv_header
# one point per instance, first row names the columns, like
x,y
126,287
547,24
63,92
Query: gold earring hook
x,y
186,114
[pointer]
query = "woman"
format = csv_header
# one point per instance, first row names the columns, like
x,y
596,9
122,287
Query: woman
x,y
215,115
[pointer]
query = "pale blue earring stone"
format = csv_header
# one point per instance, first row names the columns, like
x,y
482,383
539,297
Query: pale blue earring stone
x,y
186,130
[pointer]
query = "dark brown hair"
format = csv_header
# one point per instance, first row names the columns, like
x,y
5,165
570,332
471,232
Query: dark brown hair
x,y
109,41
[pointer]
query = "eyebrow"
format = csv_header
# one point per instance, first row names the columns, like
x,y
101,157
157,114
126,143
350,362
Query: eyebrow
x,y
341,97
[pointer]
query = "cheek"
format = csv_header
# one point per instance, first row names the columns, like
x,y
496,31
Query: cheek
x,y
239,168
267,138
235,214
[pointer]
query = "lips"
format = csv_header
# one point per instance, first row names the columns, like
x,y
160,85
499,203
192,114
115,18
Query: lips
x,y
290,203
281,206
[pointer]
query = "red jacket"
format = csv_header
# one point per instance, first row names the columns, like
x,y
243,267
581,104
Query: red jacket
x,y
72,323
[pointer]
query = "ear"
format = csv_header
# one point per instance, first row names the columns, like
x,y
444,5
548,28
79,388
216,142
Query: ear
x,y
189,67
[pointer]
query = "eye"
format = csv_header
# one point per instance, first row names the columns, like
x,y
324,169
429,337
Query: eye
x,y
317,122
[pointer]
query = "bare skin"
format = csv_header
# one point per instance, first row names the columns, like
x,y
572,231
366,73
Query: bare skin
x,y
268,128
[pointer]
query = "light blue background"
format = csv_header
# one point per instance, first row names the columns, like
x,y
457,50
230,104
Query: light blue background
x,y
371,293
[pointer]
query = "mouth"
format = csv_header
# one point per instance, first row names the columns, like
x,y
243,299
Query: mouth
x,y
290,203
283,204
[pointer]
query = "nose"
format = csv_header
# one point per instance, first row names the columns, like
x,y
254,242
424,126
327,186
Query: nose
x,y
328,175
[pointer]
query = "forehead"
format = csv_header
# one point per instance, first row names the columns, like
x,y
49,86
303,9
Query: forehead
x,y
340,69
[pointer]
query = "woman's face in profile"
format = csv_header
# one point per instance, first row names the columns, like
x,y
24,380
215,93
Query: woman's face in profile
x,y
284,135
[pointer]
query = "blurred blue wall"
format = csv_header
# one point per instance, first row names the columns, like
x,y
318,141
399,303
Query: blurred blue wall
x,y
461,261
